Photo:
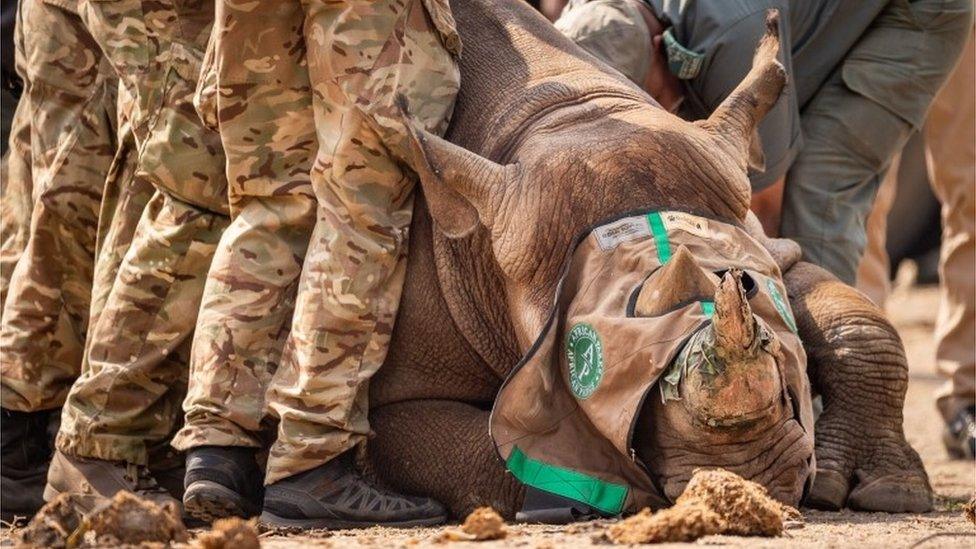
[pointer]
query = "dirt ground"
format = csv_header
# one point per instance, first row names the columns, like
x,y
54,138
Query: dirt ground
x,y
913,312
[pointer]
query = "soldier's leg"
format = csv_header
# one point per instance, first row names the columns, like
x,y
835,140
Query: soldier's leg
x,y
132,381
951,149
860,118
15,199
72,101
16,184
73,141
353,273
119,403
123,201
265,119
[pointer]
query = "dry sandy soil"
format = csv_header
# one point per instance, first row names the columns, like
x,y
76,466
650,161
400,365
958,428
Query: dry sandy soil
x,y
913,312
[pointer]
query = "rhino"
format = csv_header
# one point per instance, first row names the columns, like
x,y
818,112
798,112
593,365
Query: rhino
x,y
545,141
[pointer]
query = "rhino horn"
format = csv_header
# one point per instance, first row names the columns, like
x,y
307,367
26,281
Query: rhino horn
x,y
733,323
459,185
734,121
680,281
746,386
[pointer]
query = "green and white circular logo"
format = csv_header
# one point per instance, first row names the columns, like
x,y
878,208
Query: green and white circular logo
x,y
584,350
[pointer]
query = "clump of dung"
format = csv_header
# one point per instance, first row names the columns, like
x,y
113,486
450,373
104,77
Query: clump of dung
x,y
484,523
53,524
230,533
125,519
714,502
969,510
679,523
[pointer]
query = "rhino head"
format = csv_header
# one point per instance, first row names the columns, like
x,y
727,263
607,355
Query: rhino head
x,y
615,151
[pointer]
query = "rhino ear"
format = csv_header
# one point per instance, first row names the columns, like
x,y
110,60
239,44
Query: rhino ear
x,y
735,119
757,158
459,185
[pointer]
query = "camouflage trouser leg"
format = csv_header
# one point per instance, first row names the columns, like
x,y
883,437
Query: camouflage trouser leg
x,y
124,397
362,55
72,98
16,190
123,201
264,114
128,394
16,185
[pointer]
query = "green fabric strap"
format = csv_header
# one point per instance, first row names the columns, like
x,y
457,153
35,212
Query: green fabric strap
x,y
660,237
708,308
599,494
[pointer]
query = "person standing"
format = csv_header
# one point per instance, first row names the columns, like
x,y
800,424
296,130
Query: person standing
x,y
134,372
371,67
861,78
63,147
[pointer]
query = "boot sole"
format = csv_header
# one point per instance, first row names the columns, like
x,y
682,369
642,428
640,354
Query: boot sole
x,y
272,520
209,501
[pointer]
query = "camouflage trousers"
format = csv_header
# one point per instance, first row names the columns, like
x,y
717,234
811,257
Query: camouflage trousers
x,y
135,365
362,56
72,105
16,189
16,186
255,90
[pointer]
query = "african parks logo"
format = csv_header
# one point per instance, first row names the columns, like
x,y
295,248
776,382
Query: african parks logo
x,y
584,350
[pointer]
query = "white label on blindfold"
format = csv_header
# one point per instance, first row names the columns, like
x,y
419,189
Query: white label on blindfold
x,y
630,228
686,222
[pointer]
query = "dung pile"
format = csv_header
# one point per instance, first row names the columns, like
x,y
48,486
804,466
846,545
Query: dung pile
x,y
969,510
714,502
124,520
230,533
53,524
484,523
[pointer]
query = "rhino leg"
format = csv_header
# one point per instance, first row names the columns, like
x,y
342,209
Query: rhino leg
x,y
441,449
857,364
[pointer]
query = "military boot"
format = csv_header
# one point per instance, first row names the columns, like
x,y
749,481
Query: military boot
x,y
97,479
222,481
25,452
334,495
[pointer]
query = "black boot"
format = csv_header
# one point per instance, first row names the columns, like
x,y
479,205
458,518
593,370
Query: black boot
x,y
222,481
334,495
25,452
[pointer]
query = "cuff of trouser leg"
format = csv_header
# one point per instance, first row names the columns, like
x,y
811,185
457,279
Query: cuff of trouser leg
x,y
107,447
192,436
286,460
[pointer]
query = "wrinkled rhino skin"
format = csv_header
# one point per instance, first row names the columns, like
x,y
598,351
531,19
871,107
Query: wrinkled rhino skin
x,y
560,142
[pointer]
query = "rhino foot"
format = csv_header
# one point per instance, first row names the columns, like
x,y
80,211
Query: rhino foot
x,y
867,469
